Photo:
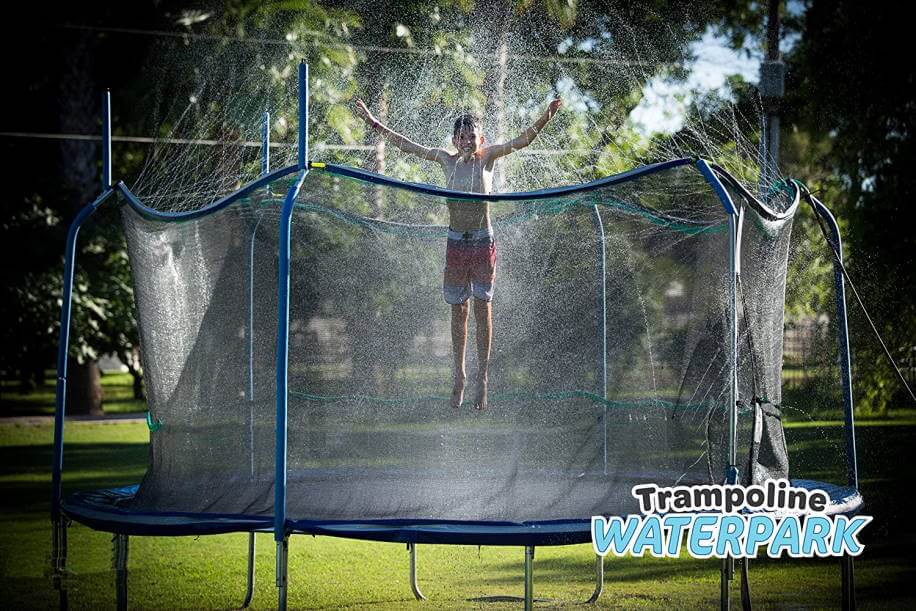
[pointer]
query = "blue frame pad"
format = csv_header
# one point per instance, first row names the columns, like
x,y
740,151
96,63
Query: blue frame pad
x,y
109,510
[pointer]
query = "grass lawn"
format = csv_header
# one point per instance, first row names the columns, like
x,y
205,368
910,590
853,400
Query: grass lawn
x,y
209,572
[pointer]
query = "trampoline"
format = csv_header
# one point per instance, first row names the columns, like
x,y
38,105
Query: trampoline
x,y
296,350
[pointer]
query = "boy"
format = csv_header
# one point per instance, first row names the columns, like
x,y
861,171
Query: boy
x,y
470,255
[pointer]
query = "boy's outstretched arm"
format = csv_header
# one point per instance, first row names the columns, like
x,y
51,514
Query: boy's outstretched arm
x,y
402,142
527,136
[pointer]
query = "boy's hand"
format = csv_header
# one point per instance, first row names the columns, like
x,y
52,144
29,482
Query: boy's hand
x,y
554,106
363,111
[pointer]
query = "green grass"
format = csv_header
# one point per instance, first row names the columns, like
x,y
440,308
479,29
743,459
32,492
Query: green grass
x,y
209,572
117,388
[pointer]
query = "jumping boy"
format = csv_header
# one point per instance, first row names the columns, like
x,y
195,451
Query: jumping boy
x,y
470,254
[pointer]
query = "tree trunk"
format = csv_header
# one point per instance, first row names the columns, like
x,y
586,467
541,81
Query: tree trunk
x,y
26,381
84,389
131,359
138,385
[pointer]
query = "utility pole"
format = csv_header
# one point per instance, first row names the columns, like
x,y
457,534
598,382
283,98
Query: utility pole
x,y
772,90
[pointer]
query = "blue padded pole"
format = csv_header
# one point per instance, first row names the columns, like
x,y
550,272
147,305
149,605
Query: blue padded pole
x,y
286,217
852,468
602,360
734,264
734,230
265,144
717,186
106,140
63,346
303,114
731,471
265,169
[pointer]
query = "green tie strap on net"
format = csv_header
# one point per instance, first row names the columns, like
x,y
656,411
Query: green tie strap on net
x,y
152,425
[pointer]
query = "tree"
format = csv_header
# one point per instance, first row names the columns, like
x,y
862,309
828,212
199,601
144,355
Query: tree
x,y
855,105
57,90
848,133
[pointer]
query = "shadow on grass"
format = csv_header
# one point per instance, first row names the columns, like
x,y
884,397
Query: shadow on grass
x,y
571,570
87,466
886,479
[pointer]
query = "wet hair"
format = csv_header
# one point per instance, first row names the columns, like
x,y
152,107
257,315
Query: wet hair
x,y
465,121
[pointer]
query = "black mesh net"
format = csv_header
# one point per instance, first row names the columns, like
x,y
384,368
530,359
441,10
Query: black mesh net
x,y
609,367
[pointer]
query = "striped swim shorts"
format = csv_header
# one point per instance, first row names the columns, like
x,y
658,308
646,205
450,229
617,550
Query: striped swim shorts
x,y
470,265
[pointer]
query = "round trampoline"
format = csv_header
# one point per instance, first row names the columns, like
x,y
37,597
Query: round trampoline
x,y
298,361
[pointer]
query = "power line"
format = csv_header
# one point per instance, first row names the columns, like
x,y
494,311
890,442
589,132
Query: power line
x,y
245,143
186,141
340,45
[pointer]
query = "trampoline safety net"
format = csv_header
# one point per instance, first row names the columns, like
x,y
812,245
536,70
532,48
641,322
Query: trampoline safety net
x,y
610,362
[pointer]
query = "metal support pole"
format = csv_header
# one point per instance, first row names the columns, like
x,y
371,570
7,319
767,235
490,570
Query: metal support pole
x,y
599,580
529,598
529,577
852,467
848,583
286,219
735,218
414,587
63,345
249,587
733,346
59,523
121,550
282,572
106,140
251,346
602,312
847,572
731,474
265,169
265,144
59,560
303,114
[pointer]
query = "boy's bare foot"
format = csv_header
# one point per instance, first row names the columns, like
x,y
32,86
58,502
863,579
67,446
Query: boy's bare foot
x,y
458,392
480,401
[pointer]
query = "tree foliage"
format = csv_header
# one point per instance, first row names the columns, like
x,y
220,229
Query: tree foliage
x,y
848,121
851,115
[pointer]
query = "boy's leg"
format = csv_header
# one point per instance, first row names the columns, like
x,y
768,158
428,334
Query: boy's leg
x,y
483,315
459,345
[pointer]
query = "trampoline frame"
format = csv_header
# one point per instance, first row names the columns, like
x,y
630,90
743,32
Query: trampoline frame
x,y
282,528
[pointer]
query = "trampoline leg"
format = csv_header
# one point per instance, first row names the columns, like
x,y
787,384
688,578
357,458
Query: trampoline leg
x,y
599,580
849,584
249,589
59,559
282,571
724,602
414,587
529,577
121,550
